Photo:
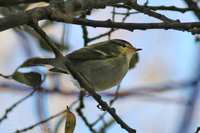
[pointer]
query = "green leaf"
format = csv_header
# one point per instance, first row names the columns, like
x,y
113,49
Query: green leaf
x,y
57,63
33,79
36,61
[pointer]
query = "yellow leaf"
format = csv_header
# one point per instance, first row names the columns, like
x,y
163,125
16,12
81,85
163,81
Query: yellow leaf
x,y
70,121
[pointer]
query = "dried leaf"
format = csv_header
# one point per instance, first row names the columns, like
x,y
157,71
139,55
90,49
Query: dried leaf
x,y
70,122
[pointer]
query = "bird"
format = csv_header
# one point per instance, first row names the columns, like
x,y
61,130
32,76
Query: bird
x,y
104,64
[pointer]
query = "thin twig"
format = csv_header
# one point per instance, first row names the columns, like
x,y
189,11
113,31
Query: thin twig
x,y
142,91
194,93
133,26
101,35
110,104
47,13
113,20
46,120
194,6
155,8
106,125
189,109
84,83
84,32
151,13
10,109
80,113
35,26
41,122
111,30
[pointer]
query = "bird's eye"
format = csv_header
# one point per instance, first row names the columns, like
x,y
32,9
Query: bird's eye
x,y
123,45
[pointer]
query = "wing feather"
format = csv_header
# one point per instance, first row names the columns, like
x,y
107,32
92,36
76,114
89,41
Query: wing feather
x,y
93,52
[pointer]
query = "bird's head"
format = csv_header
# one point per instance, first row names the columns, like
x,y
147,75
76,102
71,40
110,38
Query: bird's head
x,y
126,48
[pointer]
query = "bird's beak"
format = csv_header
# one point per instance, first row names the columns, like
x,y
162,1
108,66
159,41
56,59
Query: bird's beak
x,y
132,49
138,49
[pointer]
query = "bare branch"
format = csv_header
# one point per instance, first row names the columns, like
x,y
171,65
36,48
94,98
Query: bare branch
x,y
155,8
194,6
80,112
133,26
150,12
48,13
46,120
10,109
43,35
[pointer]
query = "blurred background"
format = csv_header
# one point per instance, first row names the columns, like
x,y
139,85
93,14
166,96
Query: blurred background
x,y
160,95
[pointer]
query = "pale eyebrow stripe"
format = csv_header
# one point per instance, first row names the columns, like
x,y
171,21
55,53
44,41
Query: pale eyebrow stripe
x,y
125,43
119,43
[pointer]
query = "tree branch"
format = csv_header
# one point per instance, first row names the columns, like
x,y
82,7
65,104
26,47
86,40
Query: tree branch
x,y
150,12
15,105
194,6
155,8
90,88
45,120
47,13
132,26
80,112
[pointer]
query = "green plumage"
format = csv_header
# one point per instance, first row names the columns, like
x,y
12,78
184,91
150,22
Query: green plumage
x,y
103,64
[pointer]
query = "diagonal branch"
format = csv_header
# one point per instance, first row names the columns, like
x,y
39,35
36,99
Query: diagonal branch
x,y
80,112
43,35
46,120
41,122
194,6
150,12
90,88
15,105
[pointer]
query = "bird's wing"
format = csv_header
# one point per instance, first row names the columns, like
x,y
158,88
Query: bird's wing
x,y
97,52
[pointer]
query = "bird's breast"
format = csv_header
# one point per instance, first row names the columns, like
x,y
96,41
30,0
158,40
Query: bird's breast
x,y
104,74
